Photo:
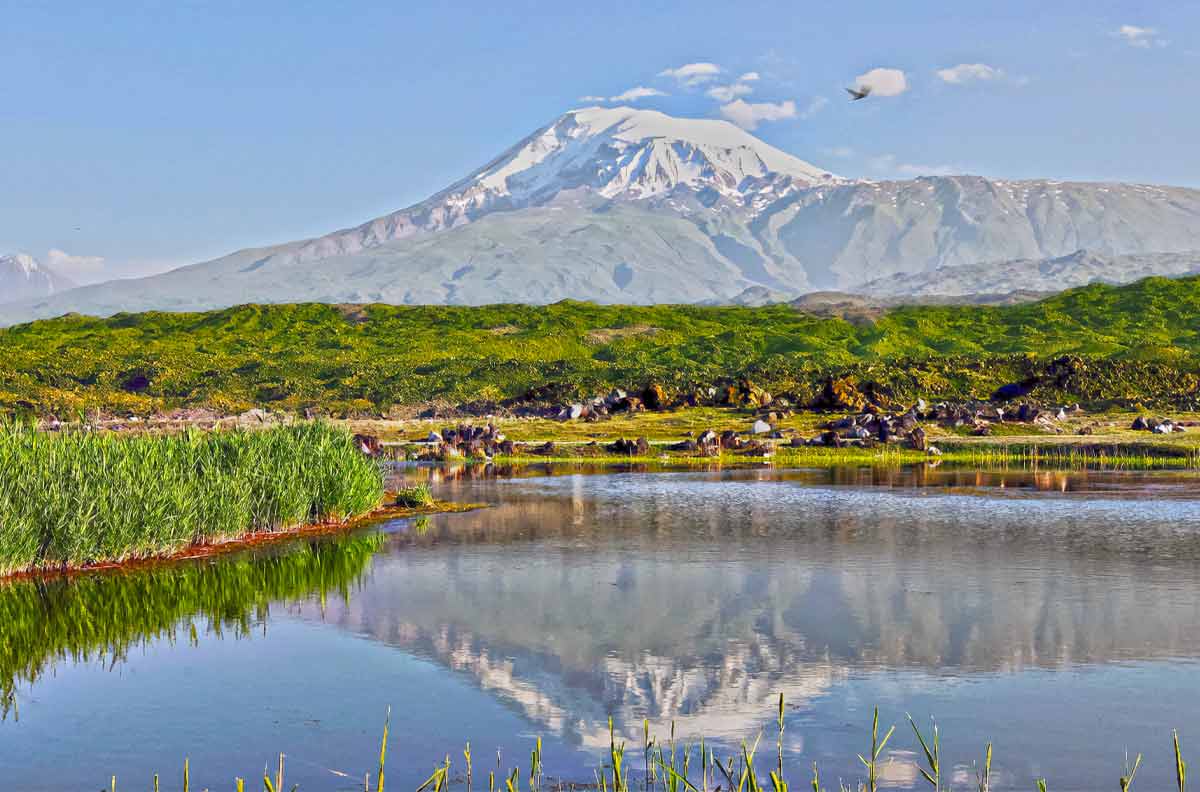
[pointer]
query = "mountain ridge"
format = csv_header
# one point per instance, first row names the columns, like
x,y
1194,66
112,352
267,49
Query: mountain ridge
x,y
617,205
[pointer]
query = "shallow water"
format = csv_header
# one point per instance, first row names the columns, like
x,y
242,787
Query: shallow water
x,y
1055,615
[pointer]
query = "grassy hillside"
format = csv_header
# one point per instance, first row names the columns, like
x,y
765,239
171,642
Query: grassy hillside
x,y
1138,342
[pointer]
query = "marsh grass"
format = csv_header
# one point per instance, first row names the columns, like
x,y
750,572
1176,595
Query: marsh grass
x,y
415,496
667,766
72,499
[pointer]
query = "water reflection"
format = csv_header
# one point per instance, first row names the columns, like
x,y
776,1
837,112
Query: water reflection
x,y
104,616
695,597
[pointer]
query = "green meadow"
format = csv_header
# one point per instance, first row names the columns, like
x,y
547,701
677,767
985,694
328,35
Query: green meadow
x,y
1125,345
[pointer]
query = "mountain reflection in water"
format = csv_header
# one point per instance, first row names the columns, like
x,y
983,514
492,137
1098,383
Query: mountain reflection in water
x,y
695,597
698,597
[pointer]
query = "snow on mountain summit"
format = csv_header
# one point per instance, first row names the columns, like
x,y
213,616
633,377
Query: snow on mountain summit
x,y
23,277
607,153
626,151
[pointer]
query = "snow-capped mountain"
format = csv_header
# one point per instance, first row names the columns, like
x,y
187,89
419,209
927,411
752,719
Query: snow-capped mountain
x,y
589,155
633,206
23,278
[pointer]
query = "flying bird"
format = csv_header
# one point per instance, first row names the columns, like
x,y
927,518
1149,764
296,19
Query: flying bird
x,y
861,92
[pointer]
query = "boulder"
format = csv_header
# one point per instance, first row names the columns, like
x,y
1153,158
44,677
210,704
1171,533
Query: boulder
x,y
654,397
642,447
840,394
708,438
918,440
368,444
730,439
622,446
760,427
434,437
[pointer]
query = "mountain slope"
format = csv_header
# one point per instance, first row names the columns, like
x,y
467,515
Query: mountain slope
x,y
23,278
1037,275
633,206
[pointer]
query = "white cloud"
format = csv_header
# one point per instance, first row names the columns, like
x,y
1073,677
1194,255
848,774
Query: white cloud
x,y
815,106
727,93
841,152
633,94
965,73
1141,37
83,269
883,82
690,74
749,116
887,164
749,77
590,98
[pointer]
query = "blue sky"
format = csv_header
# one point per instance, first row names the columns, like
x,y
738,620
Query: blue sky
x,y
157,134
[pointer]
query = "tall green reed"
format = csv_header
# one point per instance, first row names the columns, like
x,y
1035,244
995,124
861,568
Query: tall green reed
x,y
82,497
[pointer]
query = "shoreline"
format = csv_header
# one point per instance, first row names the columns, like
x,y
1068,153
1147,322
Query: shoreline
x,y
248,541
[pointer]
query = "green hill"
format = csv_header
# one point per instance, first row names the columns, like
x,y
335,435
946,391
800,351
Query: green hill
x,y
1133,343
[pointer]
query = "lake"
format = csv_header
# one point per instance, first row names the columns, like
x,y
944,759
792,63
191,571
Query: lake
x,y
1055,615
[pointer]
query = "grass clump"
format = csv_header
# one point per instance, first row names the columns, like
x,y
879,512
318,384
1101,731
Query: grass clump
x,y
415,496
72,499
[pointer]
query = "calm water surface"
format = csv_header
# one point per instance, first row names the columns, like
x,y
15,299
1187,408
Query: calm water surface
x,y
1055,615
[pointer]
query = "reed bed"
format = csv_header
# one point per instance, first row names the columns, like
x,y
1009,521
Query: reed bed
x,y
79,498
671,766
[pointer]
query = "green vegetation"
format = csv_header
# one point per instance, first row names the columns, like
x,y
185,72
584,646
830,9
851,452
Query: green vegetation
x,y
415,496
1134,343
106,615
672,767
72,499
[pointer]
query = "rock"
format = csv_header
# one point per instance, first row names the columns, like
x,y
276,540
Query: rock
x,y
507,447
642,447
708,438
840,394
935,451
797,442
622,446
545,449
686,445
918,439
628,404
615,396
730,439
921,406
1013,390
1062,414
654,397
1166,427
760,427
832,439
434,437
368,444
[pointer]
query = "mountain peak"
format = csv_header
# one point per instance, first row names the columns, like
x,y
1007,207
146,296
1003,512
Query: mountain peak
x,y
635,153
23,277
